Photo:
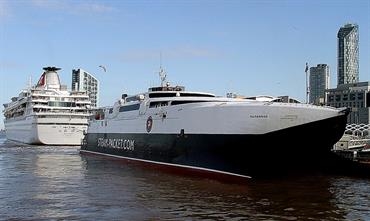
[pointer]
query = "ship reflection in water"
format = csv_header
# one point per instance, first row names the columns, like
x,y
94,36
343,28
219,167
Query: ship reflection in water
x,y
57,183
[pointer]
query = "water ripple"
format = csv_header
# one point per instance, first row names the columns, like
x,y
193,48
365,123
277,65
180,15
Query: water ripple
x,y
57,183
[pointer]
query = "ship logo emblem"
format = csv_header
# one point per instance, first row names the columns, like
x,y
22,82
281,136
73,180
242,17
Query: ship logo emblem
x,y
149,124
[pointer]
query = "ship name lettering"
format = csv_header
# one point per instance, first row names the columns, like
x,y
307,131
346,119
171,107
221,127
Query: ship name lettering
x,y
117,143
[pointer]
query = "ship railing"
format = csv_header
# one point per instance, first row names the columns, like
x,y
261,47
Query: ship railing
x,y
83,102
351,143
357,143
62,113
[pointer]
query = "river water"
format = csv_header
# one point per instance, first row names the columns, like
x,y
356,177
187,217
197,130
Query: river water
x,y
57,183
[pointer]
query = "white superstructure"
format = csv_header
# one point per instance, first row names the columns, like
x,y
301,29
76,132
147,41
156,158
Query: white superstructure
x,y
173,110
47,113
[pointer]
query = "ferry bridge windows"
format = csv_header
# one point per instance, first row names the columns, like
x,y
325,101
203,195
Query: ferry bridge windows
x,y
135,98
129,107
158,104
155,95
185,102
195,95
182,94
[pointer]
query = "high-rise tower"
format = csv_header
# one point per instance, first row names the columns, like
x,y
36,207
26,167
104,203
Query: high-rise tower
x,y
84,81
319,82
348,54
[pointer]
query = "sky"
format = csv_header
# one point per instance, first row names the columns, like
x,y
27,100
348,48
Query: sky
x,y
248,47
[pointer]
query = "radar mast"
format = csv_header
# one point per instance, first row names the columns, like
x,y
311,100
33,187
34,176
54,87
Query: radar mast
x,y
162,73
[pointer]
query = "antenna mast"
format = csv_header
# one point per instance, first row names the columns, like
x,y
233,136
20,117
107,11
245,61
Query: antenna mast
x,y
162,73
307,84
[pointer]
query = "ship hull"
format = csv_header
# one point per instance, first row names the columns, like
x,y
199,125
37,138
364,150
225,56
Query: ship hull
x,y
244,155
20,130
31,131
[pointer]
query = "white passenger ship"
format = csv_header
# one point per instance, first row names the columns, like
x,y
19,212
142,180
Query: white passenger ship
x,y
47,113
180,129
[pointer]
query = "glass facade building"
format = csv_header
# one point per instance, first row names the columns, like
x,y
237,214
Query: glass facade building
x,y
348,54
319,82
84,81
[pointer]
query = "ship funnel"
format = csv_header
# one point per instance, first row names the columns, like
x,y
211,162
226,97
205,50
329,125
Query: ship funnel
x,y
51,69
50,78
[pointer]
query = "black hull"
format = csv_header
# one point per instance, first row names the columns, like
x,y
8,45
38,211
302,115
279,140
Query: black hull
x,y
294,149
